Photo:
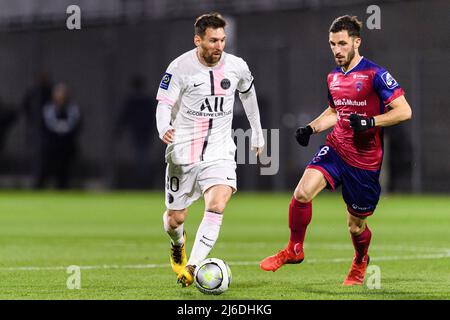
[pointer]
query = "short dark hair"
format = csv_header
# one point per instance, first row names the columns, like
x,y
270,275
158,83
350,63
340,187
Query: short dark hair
x,y
209,20
349,23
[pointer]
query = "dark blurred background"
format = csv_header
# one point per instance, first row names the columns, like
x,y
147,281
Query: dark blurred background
x,y
77,106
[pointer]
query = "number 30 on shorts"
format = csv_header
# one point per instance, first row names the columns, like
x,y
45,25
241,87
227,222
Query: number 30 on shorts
x,y
173,184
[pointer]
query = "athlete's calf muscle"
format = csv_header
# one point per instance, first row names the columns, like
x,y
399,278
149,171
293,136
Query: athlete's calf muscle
x,y
176,217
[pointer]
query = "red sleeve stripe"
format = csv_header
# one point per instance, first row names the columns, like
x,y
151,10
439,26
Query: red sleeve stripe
x,y
397,93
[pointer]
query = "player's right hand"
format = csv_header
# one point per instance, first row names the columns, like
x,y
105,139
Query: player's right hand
x,y
168,136
302,135
257,150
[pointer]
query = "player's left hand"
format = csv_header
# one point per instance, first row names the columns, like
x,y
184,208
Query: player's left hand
x,y
258,150
303,134
359,123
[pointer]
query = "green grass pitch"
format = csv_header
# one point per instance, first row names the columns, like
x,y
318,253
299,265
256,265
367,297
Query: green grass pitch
x,y
118,241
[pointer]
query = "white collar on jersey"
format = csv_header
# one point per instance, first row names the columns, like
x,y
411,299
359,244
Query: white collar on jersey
x,y
345,72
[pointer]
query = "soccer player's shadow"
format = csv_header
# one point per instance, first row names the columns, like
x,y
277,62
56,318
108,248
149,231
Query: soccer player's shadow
x,y
364,292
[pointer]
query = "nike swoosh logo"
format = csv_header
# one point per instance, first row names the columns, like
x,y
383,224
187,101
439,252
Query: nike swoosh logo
x,y
196,85
297,246
228,178
207,238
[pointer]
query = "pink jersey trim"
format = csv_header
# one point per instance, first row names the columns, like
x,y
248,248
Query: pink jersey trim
x,y
325,173
219,75
200,132
164,99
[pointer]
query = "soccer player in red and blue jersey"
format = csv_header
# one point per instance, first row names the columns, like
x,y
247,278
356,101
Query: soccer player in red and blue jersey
x,y
363,98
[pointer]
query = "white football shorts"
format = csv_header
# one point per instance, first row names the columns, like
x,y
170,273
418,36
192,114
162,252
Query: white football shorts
x,y
186,183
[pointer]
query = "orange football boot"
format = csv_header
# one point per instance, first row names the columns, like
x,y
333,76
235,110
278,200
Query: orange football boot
x,y
357,272
292,254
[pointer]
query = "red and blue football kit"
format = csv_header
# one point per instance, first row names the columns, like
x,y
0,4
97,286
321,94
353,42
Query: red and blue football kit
x,y
354,159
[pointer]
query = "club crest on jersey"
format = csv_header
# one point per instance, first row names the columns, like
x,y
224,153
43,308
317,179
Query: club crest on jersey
x,y
225,83
389,80
358,86
165,81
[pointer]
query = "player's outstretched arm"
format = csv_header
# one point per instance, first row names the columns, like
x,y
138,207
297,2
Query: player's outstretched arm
x,y
400,111
250,104
326,120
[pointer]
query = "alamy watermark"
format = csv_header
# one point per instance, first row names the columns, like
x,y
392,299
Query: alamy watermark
x,y
74,280
373,277
269,165
73,21
374,20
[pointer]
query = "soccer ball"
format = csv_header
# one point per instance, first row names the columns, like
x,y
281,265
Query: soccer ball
x,y
212,276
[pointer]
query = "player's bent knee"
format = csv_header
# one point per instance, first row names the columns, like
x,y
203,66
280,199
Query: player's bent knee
x,y
355,229
356,225
218,207
301,195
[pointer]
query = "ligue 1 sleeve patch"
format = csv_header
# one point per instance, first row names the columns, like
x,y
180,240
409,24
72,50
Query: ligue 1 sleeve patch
x,y
165,81
389,80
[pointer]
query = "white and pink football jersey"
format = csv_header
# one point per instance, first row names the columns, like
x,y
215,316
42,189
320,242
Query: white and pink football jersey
x,y
202,100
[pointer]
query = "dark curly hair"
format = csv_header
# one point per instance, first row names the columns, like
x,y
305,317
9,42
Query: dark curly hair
x,y
349,23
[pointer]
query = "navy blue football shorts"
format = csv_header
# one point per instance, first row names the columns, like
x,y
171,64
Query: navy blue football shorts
x,y
360,188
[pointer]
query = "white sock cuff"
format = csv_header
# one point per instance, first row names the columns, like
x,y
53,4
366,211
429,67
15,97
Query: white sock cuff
x,y
213,217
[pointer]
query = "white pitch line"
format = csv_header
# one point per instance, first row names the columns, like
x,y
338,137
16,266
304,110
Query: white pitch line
x,y
232,263
338,246
104,266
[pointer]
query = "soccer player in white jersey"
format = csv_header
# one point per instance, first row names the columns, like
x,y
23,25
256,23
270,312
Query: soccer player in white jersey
x,y
194,115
